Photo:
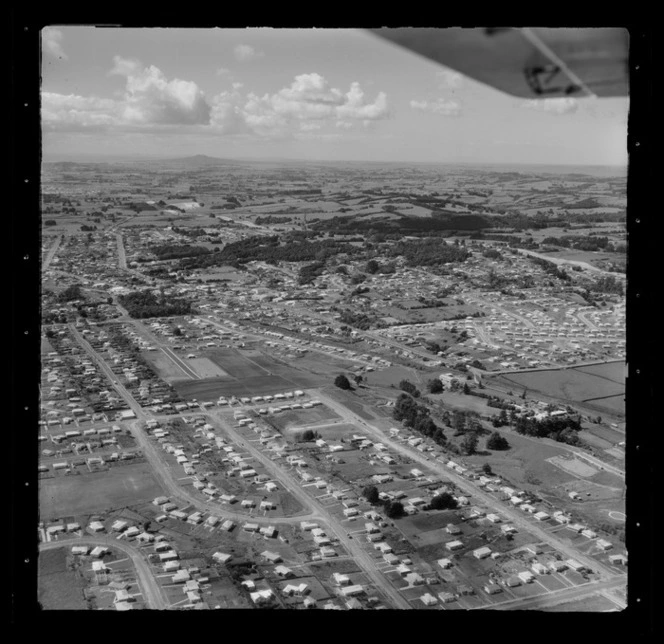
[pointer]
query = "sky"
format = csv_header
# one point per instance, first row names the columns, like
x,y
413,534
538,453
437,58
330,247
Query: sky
x,y
312,94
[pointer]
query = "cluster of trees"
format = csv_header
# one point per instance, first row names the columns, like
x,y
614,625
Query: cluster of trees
x,y
417,417
50,222
178,251
358,320
409,388
72,292
291,248
607,284
392,509
492,253
551,269
310,272
563,430
271,219
145,304
428,252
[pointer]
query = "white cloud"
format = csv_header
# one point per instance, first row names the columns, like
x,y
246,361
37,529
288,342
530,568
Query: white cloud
x,y
222,71
78,112
309,98
439,106
448,79
52,42
554,105
151,102
151,98
245,53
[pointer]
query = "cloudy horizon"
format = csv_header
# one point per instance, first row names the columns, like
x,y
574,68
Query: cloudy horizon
x,y
311,94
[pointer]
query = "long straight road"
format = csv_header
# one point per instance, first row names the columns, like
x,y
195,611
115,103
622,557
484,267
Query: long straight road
x,y
122,257
51,253
469,488
152,592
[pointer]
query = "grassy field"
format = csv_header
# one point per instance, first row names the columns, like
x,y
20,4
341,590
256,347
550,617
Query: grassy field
x,y
596,389
592,604
302,418
88,493
59,588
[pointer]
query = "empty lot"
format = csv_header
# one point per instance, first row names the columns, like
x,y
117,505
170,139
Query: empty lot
x,y
89,493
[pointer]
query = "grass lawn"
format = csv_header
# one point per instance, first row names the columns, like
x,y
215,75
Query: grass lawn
x,y
59,588
89,493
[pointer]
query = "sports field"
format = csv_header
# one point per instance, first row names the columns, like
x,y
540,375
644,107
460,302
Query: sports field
x,y
88,493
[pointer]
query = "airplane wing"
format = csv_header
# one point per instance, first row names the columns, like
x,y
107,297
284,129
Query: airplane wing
x,y
529,63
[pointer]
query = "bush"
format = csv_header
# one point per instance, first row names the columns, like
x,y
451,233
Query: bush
x,y
394,509
497,442
435,386
444,501
342,382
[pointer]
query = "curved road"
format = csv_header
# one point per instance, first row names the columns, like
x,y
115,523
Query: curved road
x,y
151,590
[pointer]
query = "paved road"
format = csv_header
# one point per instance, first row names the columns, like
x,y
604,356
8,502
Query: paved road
x,y
564,595
152,592
51,253
471,489
122,257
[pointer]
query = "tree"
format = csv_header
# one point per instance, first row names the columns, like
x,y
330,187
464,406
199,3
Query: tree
x,y
342,382
409,388
435,386
177,331
394,509
466,388
497,442
358,379
307,435
486,468
469,444
372,266
443,501
370,493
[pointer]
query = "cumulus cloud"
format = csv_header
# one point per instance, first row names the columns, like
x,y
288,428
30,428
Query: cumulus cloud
x,y
151,98
52,42
308,99
152,102
439,106
245,53
554,105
